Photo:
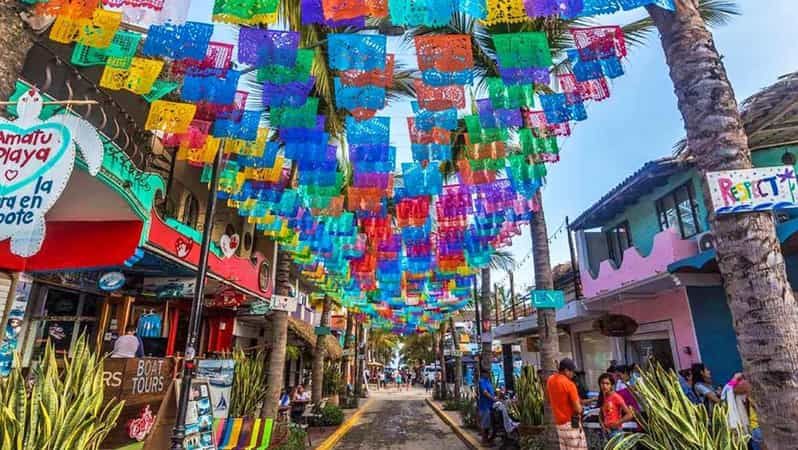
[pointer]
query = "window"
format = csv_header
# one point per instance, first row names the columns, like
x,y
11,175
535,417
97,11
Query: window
x,y
619,238
679,209
190,211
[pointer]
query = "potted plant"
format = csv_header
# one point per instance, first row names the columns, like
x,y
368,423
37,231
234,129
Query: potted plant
x,y
249,384
332,384
528,407
64,408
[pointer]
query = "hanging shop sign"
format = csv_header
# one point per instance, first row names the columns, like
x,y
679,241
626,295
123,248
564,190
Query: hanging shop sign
x,y
283,303
615,325
36,161
142,384
111,281
163,287
338,322
322,331
747,190
229,244
227,298
548,299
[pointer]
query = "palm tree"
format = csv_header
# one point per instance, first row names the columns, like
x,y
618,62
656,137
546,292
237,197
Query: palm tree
x,y
418,348
501,260
442,358
348,343
279,340
748,252
382,345
317,365
547,317
458,360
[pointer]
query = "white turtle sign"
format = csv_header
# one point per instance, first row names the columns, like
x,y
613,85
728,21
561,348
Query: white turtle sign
x,y
36,160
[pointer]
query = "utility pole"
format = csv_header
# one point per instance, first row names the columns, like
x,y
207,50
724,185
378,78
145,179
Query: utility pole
x,y
496,302
512,295
195,318
577,277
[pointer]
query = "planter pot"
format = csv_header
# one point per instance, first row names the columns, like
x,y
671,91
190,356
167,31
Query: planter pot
x,y
333,400
530,430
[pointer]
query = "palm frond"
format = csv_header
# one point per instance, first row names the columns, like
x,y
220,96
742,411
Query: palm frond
x,y
715,13
502,260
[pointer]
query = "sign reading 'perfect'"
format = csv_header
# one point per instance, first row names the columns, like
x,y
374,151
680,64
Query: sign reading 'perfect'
x,y
748,190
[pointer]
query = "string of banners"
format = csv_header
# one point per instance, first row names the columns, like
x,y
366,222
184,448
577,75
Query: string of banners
x,y
400,245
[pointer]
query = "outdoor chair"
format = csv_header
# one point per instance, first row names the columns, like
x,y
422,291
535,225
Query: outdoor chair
x,y
312,416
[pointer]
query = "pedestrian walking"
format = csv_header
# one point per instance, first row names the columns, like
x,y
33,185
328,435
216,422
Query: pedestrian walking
x,y
614,411
381,380
566,407
487,396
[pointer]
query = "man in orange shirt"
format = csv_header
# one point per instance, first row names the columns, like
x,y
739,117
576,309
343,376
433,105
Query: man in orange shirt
x,y
566,407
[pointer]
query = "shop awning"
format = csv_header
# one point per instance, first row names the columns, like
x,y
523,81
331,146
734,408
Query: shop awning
x,y
78,245
252,277
307,333
572,312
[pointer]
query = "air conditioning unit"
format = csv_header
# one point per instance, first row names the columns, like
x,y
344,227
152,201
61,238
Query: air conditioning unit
x,y
705,241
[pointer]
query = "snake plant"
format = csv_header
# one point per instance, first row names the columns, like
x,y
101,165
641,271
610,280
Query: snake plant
x,y
672,422
64,409
528,407
249,384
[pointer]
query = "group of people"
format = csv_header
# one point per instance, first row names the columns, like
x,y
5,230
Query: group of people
x,y
295,399
401,378
697,385
617,404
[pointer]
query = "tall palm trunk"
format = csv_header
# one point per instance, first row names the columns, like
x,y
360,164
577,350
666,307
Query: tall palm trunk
x,y
485,305
547,317
458,361
348,345
317,367
279,321
359,360
15,41
442,358
752,267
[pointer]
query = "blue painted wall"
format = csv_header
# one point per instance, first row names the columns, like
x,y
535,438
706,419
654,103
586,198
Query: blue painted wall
x,y
642,215
715,332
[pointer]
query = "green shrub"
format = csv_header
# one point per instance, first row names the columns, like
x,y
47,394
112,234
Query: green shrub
x,y
451,405
468,413
332,383
296,439
65,408
528,407
249,384
675,423
331,415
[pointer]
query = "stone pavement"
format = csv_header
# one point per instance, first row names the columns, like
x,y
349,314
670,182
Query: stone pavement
x,y
396,420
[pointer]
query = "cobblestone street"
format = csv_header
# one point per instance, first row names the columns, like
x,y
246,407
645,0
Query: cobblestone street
x,y
400,421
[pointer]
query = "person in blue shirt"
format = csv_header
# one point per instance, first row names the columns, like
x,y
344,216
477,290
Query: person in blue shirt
x,y
487,395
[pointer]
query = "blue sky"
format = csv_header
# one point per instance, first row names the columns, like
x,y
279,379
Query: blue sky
x,y
639,122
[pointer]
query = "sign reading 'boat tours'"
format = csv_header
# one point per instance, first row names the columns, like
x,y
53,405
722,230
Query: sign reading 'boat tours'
x,y
36,160
759,189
